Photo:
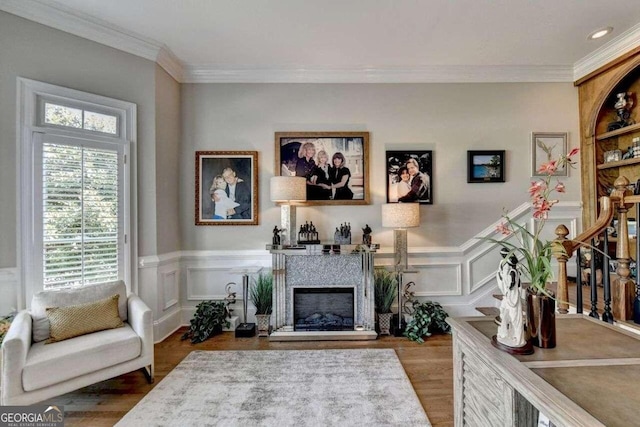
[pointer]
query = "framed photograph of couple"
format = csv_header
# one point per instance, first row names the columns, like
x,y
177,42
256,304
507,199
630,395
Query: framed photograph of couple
x,y
410,176
485,166
226,188
335,164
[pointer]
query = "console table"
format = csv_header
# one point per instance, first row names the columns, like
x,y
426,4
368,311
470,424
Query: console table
x,y
589,379
317,266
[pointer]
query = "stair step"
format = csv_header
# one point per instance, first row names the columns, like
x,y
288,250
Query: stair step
x,y
498,296
489,311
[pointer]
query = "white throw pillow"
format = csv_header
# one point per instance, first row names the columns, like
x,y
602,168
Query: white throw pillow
x,y
73,296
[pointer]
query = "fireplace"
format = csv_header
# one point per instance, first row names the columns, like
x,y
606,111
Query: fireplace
x,y
339,285
323,309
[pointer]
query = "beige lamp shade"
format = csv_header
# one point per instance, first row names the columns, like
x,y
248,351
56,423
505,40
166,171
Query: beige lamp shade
x,y
401,215
288,189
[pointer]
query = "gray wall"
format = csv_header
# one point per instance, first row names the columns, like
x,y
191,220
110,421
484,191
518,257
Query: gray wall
x,y
167,162
34,51
446,118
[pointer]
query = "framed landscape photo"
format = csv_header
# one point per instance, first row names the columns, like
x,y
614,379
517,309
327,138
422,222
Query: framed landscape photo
x,y
485,166
336,165
546,146
410,176
226,188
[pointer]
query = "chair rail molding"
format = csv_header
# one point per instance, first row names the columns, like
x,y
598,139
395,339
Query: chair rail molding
x,y
458,277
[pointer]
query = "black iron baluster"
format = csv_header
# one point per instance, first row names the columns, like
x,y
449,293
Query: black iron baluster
x,y
578,282
636,301
607,315
593,284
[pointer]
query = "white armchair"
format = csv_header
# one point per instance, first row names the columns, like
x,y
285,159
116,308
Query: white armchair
x,y
35,371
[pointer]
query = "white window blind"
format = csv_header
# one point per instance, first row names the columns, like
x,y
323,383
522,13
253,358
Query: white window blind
x,y
80,215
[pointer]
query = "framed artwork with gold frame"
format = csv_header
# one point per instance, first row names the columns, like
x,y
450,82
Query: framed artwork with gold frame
x,y
226,188
336,165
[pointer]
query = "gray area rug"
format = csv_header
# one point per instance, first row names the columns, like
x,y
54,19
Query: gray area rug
x,y
282,388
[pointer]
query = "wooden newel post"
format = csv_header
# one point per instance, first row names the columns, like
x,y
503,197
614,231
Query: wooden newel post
x,y
562,251
623,287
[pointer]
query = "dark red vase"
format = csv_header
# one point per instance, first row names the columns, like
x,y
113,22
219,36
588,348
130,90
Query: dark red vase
x,y
541,319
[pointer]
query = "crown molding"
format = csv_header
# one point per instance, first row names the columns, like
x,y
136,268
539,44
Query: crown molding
x,y
424,74
63,18
608,52
171,63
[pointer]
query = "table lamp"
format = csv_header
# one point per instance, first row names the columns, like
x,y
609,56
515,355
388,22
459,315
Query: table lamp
x,y
287,190
400,216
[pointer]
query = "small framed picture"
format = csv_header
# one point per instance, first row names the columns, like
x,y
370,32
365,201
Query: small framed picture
x,y
545,147
485,166
335,164
226,188
410,176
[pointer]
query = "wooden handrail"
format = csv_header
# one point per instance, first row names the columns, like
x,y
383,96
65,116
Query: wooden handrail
x,y
603,221
621,201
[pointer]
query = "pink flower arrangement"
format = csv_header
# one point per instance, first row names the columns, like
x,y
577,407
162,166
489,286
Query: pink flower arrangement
x,y
534,253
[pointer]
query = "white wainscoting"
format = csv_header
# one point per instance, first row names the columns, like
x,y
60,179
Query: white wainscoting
x,y
460,278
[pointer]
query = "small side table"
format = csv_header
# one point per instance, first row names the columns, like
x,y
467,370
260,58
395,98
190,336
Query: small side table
x,y
244,329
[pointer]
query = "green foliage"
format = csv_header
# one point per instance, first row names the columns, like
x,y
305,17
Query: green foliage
x,y
208,320
5,323
428,318
262,293
385,290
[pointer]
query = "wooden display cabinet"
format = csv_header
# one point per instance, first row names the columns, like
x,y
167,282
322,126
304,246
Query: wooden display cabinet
x,y
597,96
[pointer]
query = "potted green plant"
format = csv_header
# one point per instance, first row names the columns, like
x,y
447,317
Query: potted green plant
x,y
208,320
262,298
385,292
428,317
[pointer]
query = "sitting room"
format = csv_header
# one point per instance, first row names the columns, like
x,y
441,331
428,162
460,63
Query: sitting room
x,y
319,213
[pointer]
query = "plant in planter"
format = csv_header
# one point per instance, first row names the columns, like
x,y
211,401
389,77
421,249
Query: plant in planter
x,y
262,298
428,318
385,286
209,319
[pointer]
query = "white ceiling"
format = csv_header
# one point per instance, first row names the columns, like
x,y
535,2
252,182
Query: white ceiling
x,y
393,38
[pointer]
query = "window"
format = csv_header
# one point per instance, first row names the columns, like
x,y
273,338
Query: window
x,y
80,215
75,189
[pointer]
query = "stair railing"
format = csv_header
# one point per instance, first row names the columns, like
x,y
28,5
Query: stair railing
x,y
622,293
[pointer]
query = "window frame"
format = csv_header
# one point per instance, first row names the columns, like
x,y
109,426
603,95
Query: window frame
x,y
31,128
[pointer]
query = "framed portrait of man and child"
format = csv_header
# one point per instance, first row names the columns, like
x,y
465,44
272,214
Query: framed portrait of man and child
x,y
410,176
335,165
226,188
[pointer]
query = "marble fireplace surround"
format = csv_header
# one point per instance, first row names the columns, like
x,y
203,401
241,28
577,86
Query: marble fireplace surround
x,y
317,266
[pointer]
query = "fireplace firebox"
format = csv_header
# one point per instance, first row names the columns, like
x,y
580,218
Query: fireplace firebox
x,y
323,309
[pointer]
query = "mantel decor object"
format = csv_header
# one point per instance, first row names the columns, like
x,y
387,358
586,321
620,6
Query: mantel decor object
x,y
288,190
400,216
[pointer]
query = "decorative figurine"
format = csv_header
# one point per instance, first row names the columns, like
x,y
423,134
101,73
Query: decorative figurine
x,y
308,234
276,236
342,236
623,111
511,332
230,298
366,235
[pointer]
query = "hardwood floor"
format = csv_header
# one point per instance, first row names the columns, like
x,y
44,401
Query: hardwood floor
x,y
429,367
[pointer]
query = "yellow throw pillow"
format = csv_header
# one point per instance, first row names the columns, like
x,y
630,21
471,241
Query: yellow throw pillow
x,y
75,320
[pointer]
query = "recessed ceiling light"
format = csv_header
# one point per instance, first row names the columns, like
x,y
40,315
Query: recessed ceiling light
x,y
600,33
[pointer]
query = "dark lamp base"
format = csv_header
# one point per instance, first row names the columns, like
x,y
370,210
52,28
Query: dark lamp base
x,y
246,330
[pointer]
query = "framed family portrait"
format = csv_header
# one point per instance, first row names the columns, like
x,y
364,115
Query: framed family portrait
x,y
546,146
335,164
226,188
485,166
410,176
